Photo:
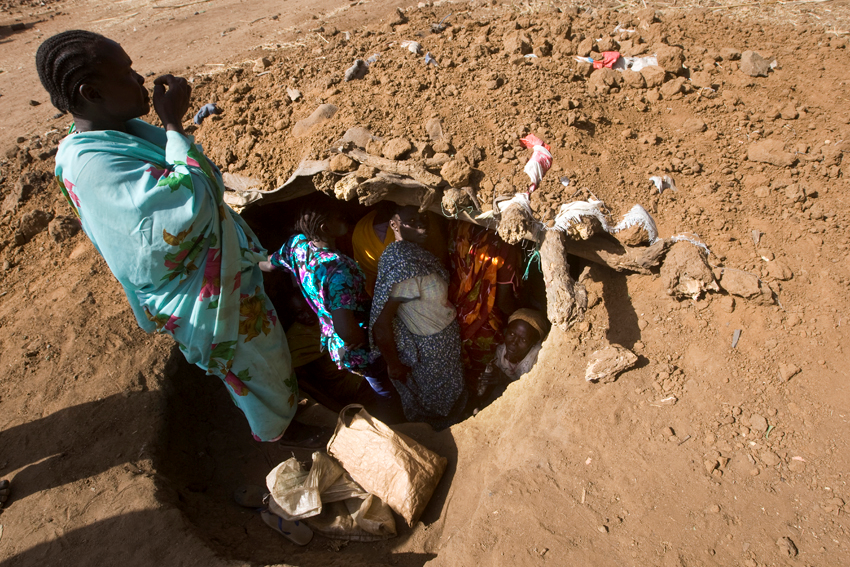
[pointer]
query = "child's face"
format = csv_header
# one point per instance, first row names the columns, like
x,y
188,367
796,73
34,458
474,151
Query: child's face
x,y
519,338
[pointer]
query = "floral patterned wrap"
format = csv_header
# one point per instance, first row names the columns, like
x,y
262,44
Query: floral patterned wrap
x,y
329,281
152,205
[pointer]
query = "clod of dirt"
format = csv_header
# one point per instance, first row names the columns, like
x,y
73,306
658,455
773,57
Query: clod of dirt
x,y
434,127
779,271
456,173
341,163
654,76
63,228
754,65
357,71
322,114
31,224
293,94
261,64
635,235
633,79
685,273
670,58
758,423
397,148
515,225
607,363
603,80
788,371
772,152
746,285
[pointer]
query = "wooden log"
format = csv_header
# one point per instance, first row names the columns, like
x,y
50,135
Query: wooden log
x,y
609,252
410,169
566,299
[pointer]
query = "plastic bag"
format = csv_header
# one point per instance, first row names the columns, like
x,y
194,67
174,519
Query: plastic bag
x,y
355,519
393,467
540,161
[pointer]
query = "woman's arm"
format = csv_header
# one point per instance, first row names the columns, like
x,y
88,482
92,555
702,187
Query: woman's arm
x,y
384,335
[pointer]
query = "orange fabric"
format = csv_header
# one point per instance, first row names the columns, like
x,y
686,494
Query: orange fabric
x,y
368,248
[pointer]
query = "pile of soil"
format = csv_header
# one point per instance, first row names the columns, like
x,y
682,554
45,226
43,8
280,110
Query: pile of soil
x,y
710,451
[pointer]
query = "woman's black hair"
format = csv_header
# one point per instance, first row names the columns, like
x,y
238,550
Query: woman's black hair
x,y
64,62
311,218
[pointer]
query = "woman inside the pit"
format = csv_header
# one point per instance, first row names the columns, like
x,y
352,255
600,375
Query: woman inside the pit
x,y
515,356
415,327
335,289
484,288
151,203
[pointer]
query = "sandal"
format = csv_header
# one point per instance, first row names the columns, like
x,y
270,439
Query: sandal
x,y
251,496
295,531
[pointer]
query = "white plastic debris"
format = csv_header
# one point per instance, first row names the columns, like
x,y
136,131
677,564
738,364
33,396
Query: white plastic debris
x,y
663,182
412,46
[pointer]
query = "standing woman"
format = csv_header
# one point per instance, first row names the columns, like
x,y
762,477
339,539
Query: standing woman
x,y
415,326
152,205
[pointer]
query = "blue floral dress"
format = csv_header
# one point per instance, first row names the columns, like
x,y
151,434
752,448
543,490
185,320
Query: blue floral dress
x,y
329,281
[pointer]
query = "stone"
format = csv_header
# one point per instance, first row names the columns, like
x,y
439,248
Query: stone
x,y
670,58
730,54
740,283
772,152
758,423
341,163
31,224
769,458
20,192
358,136
607,44
439,160
442,146
456,173
787,547
319,116
694,125
434,127
586,46
357,71
671,88
293,94
603,80
779,271
261,64
788,112
753,64
605,364
685,273
633,79
397,148
702,79
788,371
653,75
517,42
62,228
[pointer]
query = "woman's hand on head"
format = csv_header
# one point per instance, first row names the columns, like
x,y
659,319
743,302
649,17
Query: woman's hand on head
x,y
171,96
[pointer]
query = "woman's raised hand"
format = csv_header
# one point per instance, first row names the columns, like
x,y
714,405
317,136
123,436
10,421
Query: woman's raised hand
x,y
171,104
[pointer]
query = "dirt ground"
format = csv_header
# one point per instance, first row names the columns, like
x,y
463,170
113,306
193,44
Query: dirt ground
x,y
705,453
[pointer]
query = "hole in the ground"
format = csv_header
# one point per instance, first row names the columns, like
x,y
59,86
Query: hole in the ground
x,y
208,450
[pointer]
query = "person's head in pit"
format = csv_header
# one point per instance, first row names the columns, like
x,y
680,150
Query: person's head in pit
x,y
92,77
520,337
322,225
410,225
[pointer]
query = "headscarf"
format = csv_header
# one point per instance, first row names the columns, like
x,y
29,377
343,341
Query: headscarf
x,y
534,318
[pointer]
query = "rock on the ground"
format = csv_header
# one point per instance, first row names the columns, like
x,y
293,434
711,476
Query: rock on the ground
x,y
321,115
754,65
787,547
653,75
261,64
358,136
772,152
605,364
694,125
31,224
671,88
633,79
397,148
603,80
341,163
788,371
746,285
434,127
670,58
779,271
758,423
456,173
63,228
293,94
685,273
730,54
357,71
